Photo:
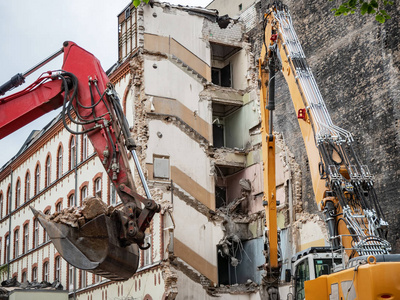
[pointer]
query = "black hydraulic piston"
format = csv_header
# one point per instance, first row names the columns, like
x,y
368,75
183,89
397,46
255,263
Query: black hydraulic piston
x,y
14,82
330,212
271,84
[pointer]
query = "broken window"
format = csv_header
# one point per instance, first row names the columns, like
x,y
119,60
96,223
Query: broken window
x,y
222,67
218,134
238,261
222,76
220,196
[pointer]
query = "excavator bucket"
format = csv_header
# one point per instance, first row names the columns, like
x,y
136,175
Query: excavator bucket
x,y
93,247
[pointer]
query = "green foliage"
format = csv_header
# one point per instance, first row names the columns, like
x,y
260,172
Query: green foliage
x,y
3,269
371,7
137,2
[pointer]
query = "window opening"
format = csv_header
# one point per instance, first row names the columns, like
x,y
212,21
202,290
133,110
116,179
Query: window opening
x,y
71,274
58,269
27,187
18,194
84,147
222,76
1,206
147,253
59,162
58,207
97,188
83,279
34,274
8,200
72,152
36,233
48,169
16,243
46,271
71,200
37,180
113,194
84,193
26,238
24,279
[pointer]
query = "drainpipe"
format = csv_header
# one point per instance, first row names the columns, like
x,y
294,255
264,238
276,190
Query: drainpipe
x,y
76,190
9,225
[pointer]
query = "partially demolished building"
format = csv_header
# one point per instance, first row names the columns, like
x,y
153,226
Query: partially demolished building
x,y
188,81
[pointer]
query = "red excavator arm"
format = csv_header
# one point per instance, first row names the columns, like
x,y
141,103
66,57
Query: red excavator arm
x,y
106,245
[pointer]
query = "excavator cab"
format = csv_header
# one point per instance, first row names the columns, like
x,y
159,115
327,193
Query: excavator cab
x,y
106,244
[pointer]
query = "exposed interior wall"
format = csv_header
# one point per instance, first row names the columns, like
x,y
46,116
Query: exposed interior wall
x,y
176,145
166,21
169,81
238,125
230,7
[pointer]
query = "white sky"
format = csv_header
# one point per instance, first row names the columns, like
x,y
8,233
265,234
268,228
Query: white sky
x,y
30,31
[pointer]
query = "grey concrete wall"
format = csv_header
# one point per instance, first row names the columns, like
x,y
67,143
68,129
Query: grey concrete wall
x,y
356,62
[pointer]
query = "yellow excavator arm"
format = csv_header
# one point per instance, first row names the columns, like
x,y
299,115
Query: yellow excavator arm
x,y
342,185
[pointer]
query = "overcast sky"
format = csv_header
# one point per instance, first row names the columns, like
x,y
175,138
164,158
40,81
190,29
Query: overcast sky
x,y
31,30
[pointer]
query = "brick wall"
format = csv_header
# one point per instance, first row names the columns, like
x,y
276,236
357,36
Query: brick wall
x,y
356,62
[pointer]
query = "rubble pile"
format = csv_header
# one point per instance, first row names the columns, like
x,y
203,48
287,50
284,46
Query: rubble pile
x,y
78,216
11,284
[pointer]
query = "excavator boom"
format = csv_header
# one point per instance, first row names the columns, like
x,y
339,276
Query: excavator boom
x,y
343,186
107,245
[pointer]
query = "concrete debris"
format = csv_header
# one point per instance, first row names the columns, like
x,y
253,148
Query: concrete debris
x,y
93,207
78,216
12,284
170,281
245,184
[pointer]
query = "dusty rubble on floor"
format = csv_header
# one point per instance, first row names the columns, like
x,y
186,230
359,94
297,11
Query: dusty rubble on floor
x,y
78,216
